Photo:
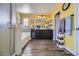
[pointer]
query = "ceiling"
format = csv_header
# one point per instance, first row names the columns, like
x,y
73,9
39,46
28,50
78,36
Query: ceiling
x,y
35,8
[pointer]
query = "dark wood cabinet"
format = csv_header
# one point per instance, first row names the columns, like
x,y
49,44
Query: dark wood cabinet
x,y
41,34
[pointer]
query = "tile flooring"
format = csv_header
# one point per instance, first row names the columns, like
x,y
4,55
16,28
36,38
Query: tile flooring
x,y
41,47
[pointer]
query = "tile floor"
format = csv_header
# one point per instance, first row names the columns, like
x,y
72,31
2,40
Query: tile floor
x,y
41,48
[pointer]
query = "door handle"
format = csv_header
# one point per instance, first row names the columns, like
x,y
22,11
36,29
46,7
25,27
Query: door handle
x,y
77,28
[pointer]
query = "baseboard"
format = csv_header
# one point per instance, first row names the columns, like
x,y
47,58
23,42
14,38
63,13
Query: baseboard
x,y
69,51
13,54
25,46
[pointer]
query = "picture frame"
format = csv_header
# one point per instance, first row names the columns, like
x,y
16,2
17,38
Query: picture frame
x,y
65,6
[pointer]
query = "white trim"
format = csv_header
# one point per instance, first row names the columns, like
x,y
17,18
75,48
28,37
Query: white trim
x,y
70,51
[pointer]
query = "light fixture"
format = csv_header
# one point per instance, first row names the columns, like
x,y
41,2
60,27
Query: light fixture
x,y
41,17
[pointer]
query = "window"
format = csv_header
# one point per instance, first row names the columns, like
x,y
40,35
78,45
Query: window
x,y
25,23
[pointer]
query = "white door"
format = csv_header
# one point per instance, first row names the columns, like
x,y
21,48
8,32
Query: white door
x,y
77,28
6,33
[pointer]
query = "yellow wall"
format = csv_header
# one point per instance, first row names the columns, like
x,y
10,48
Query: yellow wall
x,y
69,11
63,13
69,40
32,19
31,24
56,10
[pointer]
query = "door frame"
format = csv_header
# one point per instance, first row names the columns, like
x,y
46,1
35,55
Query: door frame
x,y
12,31
76,20
13,28
55,20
